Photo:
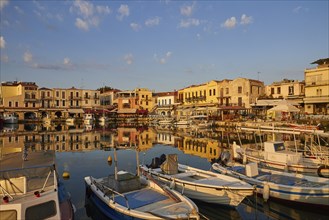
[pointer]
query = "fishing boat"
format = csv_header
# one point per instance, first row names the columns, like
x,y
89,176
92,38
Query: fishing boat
x,y
88,119
199,184
275,155
31,189
280,185
124,195
70,121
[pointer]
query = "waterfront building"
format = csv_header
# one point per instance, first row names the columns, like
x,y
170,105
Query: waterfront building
x,y
21,98
316,99
145,99
127,102
166,103
293,90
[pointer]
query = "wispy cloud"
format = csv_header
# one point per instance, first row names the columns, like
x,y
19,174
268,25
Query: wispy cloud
x,y
19,10
27,57
246,19
135,26
152,22
230,23
89,14
300,9
164,59
189,22
2,42
3,3
128,58
187,10
123,12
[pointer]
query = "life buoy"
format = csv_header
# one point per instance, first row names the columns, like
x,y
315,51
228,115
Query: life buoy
x,y
321,168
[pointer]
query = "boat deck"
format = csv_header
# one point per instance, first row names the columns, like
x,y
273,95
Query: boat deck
x,y
281,179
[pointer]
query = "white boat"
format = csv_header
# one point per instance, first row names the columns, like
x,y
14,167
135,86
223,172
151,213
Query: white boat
x,y
275,155
290,187
31,189
88,119
182,122
199,184
10,118
46,121
124,195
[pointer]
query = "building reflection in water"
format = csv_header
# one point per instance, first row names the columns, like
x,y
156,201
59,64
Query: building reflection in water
x,y
62,137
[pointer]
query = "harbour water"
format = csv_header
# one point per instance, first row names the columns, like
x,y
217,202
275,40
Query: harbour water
x,y
86,152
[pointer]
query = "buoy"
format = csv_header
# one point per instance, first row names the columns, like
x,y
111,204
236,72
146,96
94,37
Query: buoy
x,y
66,175
266,191
109,159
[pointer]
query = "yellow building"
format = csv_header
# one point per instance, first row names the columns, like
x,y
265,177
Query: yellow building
x,y
145,99
317,88
286,89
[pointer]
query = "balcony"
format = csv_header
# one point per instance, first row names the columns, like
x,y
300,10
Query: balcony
x,y
75,98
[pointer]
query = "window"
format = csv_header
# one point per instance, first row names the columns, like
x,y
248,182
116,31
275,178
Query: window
x,y
8,214
57,93
227,90
41,211
291,90
240,101
63,95
16,104
214,92
57,103
26,104
63,103
240,89
9,104
278,90
209,92
272,91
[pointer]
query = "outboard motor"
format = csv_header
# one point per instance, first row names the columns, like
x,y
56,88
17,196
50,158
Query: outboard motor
x,y
225,157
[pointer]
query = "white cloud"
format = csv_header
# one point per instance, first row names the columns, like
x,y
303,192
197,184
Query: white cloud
x,y
230,23
189,22
2,42
84,8
39,6
27,57
152,22
164,59
89,14
297,9
19,10
128,58
67,61
246,20
3,3
103,9
135,26
81,24
123,11
187,10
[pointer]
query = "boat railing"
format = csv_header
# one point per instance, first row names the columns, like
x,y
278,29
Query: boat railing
x,y
105,189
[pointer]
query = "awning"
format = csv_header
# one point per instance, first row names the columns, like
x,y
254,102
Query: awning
x,y
127,111
75,111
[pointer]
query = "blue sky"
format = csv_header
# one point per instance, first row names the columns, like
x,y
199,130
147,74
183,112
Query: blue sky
x,y
160,45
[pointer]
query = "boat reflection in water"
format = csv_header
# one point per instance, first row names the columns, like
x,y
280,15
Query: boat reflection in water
x,y
85,152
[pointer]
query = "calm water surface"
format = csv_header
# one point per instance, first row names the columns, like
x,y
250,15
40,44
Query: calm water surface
x,y
81,164
81,152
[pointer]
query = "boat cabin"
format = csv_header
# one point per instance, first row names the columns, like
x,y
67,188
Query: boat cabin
x,y
276,151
